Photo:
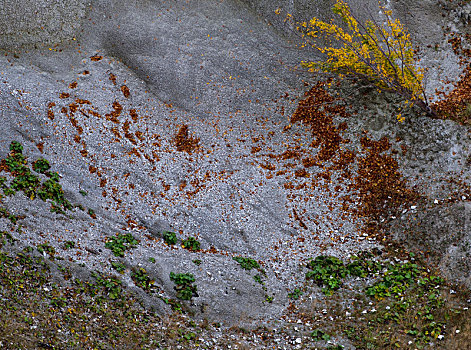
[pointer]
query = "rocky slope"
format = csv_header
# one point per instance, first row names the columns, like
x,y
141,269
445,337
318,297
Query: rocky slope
x,y
179,116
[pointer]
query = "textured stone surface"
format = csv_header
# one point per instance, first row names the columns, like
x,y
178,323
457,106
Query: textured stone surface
x,y
219,68
38,23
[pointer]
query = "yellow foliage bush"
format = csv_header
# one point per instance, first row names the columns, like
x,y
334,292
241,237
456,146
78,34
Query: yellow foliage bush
x,y
380,53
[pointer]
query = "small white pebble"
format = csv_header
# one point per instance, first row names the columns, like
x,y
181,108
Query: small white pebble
x,y
410,342
347,313
364,312
388,307
298,340
436,201
441,336
452,291
463,197
413,207
373,310
457,331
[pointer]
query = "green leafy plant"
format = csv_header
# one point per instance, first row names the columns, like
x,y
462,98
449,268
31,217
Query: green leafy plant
x,y
395,281
83,193
152,260
46,248
118,266
197,262
7,215
41,166
16,163
257,278
91,212
295,294
184,285
335,347
191,244
247,263
30,184
27,183
318,335
69,245
169,237
327,271
189,336
363,265
111,285
8,191
120,243
142,279
16,147
53,191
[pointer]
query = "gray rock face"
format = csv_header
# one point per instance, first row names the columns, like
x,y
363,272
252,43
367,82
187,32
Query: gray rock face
x,y
443,230
30,23
107,109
